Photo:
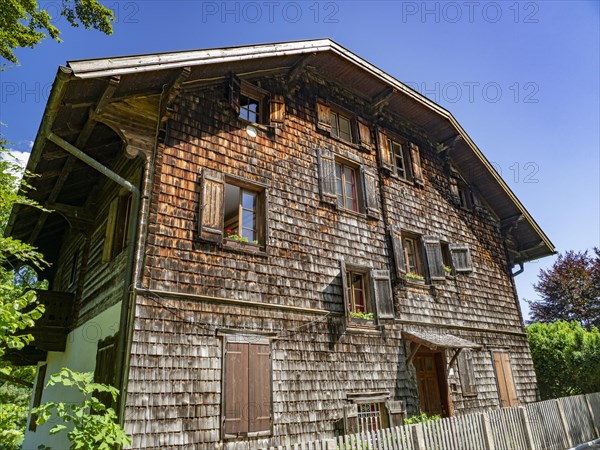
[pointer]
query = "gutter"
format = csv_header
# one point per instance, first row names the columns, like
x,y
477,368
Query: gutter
x,y
130,277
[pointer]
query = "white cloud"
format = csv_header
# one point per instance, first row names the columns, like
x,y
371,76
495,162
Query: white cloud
x,y
20,158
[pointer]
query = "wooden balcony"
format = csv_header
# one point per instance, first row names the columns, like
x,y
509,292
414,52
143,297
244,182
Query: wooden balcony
x,y
51,330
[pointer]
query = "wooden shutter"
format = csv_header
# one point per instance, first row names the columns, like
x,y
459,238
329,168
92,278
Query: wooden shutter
x,y
327,176
467,373
259,388
364,134
110,230
37,395
384,150
263,218
104,372
235,389
396,412
461,258
454,188
344,287
350,418
504,377
371,197
416,164
277,109
384,299
234,88
323,116
212,195
398,249
435,261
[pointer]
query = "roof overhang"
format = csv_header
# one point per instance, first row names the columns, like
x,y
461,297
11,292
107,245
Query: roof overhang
x,y
438,341
82,86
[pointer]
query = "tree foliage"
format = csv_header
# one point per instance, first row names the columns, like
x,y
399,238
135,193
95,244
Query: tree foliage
x,y
569,290
566,357
94,426
24,24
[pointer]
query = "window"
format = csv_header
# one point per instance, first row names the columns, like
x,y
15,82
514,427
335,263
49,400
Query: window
x,y
357,293
447,258
247,404
241,213
371,417
104,372
341,126
250,108
366,291
253,104
462,193
506,386
117,226
346,189
412,256
401,158
232,210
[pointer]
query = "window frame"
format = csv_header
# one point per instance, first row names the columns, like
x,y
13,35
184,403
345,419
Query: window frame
x,y
368,306
260,211
357,186
406,158
244,340
419,267
260,97
335,114
116,237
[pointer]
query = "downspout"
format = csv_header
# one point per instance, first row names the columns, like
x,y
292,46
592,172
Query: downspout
x,y
131,235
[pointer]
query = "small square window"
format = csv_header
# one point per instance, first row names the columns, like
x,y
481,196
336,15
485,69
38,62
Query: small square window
x,y
341,126
250,108
371,417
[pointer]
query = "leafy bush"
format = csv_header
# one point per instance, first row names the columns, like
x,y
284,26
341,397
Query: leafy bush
x,y
420,418
95,425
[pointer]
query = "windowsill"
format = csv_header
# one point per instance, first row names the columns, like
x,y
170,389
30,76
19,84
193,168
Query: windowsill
x,y
349,143
351,212
370,328
406,181
261,126
414,282
244,247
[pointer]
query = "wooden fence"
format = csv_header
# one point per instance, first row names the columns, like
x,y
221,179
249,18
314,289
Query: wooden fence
x,y
548,425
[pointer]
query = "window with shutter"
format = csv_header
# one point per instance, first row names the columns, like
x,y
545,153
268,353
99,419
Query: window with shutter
x,y
327,177
323,116
417,169
467,373
461,258
247,387
341,126
435,262
277,107
233,211
504,377
253,104
413,260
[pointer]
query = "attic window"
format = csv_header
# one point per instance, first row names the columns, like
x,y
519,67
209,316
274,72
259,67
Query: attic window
x,y
250,108
253,104
341,126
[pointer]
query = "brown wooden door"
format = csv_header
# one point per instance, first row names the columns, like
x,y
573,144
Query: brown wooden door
x,y
504,376
430,398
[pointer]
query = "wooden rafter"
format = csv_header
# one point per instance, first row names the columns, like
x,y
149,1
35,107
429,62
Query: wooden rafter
x,y
172,92
381,100
82,139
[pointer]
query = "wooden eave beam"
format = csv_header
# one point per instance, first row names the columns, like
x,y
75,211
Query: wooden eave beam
x,y
381,100
297,69
172,92
414,348
456,353
82,139
82,215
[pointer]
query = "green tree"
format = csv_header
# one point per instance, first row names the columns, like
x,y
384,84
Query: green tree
x,y
566,357
94,426
569,290
24,24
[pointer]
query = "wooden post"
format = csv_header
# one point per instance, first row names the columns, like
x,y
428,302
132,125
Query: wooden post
x,y
418,436
595,420
525,421
563,419
488,436
330,444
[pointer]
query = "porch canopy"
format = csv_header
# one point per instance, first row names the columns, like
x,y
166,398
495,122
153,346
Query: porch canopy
x,y
438,341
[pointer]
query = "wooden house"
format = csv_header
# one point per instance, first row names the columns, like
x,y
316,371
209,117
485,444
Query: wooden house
x,y
269,244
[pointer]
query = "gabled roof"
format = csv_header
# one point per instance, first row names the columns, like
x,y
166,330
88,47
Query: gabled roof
x,y
83,84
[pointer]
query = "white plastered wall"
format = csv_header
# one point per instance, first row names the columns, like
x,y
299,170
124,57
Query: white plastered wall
x,y
79,355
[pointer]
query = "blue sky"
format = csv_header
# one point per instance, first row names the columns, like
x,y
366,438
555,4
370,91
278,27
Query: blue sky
x,y
522,78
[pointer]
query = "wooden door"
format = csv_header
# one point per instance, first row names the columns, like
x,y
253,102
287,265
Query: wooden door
x,y
430,398
504,377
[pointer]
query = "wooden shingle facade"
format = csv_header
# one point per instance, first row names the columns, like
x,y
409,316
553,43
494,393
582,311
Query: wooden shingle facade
x,y
316,249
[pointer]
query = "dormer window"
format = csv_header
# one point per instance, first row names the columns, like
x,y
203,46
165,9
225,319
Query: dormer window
x,y
250,108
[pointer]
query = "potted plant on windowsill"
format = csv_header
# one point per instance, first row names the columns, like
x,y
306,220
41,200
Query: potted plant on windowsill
x,y
362,317
448,271
235,241
413,277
